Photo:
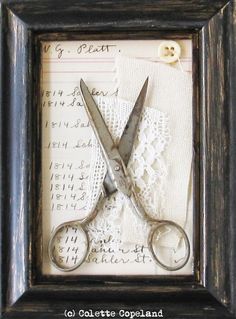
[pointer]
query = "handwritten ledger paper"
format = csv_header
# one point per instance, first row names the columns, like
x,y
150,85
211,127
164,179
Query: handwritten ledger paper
x,y
67,144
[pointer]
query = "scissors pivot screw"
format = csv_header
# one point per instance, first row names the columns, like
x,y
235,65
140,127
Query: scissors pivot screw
x,y
117,168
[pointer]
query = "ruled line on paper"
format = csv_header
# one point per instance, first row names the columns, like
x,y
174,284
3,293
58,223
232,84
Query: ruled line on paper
x,y
78,58
79,61
101,60
80,71
87,81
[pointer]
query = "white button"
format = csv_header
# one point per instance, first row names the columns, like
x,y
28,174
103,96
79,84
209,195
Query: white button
x,y
169,51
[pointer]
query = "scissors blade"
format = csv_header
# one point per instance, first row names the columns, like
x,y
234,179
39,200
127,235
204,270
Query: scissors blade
x,y
97,122
127,139
114,161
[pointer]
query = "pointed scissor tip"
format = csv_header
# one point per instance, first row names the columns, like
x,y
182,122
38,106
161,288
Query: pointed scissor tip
x,y
83,87
81,82
144,88
145,85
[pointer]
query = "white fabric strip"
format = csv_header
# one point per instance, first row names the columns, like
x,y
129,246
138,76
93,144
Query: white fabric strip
x,y
170,91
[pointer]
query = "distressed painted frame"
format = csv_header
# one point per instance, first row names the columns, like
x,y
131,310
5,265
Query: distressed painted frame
x,y
211,292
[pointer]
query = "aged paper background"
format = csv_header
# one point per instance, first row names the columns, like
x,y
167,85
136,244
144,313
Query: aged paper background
x,y
66,141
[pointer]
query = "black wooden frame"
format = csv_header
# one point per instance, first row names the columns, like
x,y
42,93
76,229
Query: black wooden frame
x,y
211,292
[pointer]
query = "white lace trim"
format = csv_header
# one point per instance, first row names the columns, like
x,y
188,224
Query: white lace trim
x,y
146,167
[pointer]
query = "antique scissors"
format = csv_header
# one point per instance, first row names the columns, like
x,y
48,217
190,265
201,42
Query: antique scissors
x,y
69,245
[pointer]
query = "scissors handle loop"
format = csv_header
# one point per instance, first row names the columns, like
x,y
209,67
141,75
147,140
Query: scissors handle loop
x,y
69,244
169,245
168,242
